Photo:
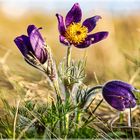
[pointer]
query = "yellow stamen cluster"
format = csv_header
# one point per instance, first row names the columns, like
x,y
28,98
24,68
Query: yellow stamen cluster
x,y
76,33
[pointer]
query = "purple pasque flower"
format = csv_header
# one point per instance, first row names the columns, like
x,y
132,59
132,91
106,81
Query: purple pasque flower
x,y
119,95
76,33
32,44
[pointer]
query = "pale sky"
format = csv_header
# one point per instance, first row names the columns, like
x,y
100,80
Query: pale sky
x,y
18,7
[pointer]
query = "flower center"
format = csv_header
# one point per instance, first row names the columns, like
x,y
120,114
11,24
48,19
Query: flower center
x,y
76,33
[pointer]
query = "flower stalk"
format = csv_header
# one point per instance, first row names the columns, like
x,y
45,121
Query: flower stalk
x,y
56,87
68,57
129,117
51,72
67,80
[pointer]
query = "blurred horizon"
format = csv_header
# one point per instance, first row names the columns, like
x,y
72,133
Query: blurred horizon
x,y
106,59
16,8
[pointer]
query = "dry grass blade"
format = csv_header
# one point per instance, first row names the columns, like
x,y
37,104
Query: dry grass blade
x,y
15,119
132,79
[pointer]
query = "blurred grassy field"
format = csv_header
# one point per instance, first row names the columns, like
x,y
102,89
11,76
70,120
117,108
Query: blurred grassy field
x,y
107,58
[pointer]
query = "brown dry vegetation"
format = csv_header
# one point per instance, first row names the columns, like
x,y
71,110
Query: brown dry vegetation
x,y
106,58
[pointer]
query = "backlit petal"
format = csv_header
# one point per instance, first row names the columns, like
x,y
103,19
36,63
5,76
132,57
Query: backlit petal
x,y
38,45
23,43
119,95
30,29
74,15
63,40
90,23
97,37
61,26
83,45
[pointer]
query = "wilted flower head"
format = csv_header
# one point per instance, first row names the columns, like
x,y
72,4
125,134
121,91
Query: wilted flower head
x,y
32,45
119,95
73,32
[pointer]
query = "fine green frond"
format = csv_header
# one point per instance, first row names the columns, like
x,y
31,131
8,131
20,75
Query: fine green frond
x,y
75,73
56,120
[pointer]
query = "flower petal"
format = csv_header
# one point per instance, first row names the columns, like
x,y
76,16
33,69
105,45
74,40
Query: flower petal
x,y
122,87
63,40
130,103
61,26
83,45
38,44
23,43
74,15
119,83
119,94
30,29
115,102
97,37
90,23
93,38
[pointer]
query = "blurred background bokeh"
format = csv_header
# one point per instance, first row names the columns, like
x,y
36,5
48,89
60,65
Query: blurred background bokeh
x,y
116,57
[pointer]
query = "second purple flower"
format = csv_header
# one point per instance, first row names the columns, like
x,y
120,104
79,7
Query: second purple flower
x,y
73,32
119,95
32,45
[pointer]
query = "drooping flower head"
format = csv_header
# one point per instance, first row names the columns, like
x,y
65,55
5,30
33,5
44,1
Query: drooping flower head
x,y
119,95
32,45
76,33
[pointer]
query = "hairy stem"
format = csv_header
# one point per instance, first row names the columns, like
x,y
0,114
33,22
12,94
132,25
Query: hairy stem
x,y
56,87
129,118
68,62
68,56
52,73
94,88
